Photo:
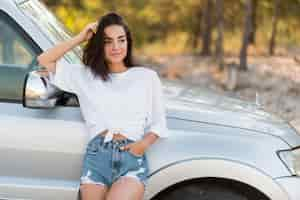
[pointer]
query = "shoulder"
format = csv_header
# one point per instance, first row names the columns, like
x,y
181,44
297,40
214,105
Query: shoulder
x,y
142,70
149,75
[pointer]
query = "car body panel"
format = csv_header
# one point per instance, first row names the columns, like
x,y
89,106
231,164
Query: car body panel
x,y
206,106
41,148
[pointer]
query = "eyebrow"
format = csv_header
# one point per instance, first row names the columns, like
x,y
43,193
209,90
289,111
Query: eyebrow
x,y
119,37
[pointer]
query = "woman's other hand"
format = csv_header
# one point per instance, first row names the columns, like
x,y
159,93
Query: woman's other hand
x,y
137,148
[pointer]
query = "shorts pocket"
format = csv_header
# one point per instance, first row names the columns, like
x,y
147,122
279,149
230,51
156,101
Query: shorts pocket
x,y
134,155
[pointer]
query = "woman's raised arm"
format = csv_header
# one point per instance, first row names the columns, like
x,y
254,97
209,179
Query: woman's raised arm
x,y
49,57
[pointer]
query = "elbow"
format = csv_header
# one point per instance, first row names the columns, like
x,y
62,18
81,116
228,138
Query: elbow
x,y
41,60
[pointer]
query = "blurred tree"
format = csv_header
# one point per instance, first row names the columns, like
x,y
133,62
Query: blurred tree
x,y
274,27
196,28
253,21
111,5
220,31
190,23
54,3
207,24
246,33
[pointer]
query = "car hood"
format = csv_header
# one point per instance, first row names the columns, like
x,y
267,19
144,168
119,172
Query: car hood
x,y
189,102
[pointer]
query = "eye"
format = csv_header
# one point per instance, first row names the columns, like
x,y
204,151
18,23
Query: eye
x,y
123,40
107,41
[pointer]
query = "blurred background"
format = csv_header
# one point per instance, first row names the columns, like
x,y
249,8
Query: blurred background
x,y
246,48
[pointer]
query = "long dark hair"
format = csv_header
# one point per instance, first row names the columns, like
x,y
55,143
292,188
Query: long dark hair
x,y
93,54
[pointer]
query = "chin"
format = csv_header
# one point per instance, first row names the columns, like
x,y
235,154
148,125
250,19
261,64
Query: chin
x,y
116,60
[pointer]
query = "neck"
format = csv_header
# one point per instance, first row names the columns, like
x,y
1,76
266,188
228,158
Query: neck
x,y
117,67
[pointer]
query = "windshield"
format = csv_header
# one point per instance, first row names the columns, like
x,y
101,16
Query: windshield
x,y
51,26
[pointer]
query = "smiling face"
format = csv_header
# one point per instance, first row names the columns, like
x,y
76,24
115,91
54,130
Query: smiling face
x,y
110,48
115,44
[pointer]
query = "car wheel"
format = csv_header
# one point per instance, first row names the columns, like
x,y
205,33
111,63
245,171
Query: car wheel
x,y
210,191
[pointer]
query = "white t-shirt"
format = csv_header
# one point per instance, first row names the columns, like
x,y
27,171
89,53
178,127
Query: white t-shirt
x,y
132,103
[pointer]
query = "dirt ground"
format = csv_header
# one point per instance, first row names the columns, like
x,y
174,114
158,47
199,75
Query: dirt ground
x,y
275,81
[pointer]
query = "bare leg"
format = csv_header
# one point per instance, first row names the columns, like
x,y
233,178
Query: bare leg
x,y
126,188
92,191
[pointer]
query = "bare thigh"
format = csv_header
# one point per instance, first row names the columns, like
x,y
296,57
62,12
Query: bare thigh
x,y
126,188
92,192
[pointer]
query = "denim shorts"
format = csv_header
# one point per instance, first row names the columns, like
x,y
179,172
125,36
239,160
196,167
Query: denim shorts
x,y
104,163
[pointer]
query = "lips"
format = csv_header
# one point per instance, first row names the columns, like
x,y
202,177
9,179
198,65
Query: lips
x,y
116,54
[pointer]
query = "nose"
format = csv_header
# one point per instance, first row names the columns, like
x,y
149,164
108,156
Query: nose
x,y
115,45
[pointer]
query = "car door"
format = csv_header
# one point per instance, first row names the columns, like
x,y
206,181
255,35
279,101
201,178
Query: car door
x,y
41,150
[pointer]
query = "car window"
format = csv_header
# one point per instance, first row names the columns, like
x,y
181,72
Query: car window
x,y
14,50
17,51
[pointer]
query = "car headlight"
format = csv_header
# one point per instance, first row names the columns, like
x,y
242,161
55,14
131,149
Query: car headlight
x,y
291,159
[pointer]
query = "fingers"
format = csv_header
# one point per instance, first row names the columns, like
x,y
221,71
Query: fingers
x,y
126,147
93,27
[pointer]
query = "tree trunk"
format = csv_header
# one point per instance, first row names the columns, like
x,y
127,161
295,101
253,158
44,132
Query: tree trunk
x,y
253,20
247,30
197,30
206,36
274,27
220,31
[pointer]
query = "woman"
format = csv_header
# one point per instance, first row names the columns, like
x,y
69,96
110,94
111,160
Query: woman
x,y
122,105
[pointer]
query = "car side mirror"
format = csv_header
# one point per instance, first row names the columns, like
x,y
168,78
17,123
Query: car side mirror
x,y
38,92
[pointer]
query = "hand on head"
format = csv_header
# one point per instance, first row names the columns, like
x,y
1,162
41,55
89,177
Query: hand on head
x,y
88,31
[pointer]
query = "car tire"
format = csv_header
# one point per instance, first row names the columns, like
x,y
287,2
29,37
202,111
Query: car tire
x,y
210,191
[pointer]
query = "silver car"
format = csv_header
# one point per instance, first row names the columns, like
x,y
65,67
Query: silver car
x,y
220,147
